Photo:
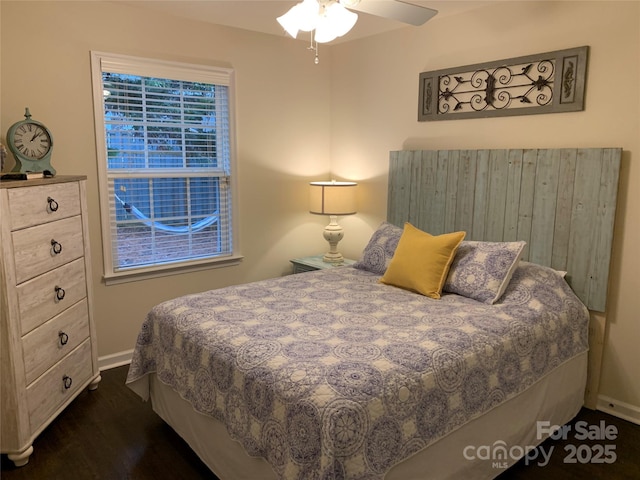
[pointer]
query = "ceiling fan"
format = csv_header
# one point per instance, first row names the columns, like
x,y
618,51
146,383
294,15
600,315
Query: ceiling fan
x,y
402,11
329,19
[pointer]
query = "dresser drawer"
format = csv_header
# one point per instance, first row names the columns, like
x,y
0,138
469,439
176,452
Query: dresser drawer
x,y
30,206
53,340
49,392
38,299
35,251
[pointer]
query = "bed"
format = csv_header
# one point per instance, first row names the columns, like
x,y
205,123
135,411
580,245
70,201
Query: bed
x,y
334,374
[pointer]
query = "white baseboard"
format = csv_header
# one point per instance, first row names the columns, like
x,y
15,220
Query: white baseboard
x,y
115,360
619,409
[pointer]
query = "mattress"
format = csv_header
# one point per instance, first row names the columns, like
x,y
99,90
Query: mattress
x,y
331,374
555,399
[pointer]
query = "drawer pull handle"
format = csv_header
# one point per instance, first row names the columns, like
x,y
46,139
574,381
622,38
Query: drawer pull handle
x,y
67,381
64,338
56,247
53,205
59,292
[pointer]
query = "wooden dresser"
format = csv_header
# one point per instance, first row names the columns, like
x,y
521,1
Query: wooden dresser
x,y
48,344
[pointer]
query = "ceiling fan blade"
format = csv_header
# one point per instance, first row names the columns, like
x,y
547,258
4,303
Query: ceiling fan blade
x,y
396,10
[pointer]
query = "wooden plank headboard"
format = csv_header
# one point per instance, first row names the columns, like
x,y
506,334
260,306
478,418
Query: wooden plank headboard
x,y
560,201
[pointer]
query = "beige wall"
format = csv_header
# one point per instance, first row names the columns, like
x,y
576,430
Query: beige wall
x,y
297,121
282,125
374,110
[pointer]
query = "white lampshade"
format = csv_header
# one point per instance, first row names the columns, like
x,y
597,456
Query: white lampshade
x,y
332,198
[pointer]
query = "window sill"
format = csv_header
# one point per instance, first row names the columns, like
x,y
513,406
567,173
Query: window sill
x,y
164,271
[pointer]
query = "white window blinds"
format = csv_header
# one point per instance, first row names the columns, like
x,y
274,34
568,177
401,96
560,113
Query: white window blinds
x,y
166,162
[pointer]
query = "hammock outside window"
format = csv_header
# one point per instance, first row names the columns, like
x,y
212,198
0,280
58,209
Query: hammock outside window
x,y
194,227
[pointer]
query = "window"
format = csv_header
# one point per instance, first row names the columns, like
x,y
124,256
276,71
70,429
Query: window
x,y
165,161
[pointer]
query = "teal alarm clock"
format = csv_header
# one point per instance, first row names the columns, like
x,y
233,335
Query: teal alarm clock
x,y
31,144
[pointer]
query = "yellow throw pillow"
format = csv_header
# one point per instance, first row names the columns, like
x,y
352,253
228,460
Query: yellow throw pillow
x,y
421,261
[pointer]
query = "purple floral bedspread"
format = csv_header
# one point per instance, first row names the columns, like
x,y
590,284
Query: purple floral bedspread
x,y
330,374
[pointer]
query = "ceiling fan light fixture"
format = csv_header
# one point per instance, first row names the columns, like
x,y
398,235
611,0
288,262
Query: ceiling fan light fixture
x,y
330,19
349,3
289,21
301,17
324,33
334,22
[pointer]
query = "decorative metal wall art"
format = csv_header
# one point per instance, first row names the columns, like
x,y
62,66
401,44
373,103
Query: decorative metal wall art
x,y
549,82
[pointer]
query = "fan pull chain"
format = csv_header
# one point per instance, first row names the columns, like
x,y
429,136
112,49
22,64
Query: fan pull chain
x,y
314,46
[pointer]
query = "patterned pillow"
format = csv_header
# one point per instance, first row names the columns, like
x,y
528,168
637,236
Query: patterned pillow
x,y
482,270
381,247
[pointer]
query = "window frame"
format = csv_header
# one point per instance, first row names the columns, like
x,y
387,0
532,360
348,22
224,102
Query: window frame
x,y
148,67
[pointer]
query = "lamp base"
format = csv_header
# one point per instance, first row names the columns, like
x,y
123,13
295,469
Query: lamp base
x,y
333,233
333,258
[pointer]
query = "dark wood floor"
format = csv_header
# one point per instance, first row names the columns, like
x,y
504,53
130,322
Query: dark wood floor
x,y
111,434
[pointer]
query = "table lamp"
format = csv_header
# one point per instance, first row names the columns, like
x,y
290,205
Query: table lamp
x,y
333,199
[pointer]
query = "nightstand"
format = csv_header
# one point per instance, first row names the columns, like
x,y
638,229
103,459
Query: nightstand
x,y
308,264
